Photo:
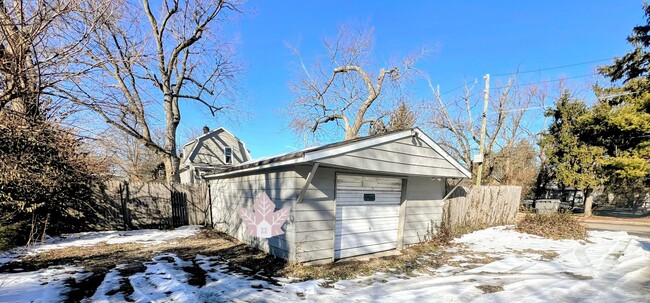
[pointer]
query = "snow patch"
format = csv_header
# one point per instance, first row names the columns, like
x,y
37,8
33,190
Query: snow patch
x,y
142,236
46,285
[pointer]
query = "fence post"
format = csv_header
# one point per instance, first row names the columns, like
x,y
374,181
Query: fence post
x,y
210,207
125,196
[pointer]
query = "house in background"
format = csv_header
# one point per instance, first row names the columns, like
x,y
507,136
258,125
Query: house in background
x,y
214,151
349,198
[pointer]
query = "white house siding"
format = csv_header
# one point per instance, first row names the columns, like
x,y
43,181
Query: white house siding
x,y
409,156
422,209
233,193
211,149
186,177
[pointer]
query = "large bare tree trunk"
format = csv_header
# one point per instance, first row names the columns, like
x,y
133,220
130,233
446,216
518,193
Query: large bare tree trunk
x,y
172,166
172,116
589,201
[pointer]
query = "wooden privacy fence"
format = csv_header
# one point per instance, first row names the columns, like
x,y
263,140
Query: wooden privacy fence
x,y
480,206
135,205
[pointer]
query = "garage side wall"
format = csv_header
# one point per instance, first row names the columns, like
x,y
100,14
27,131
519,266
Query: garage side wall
x,y
232,193
315,217
423,211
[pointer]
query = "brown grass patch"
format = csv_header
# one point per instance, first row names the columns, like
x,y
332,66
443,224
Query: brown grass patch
x,y
417,257
545,254
489,288
577,276
552,226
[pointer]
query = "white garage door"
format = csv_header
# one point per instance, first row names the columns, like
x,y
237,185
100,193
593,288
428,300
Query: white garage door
x,y
367,214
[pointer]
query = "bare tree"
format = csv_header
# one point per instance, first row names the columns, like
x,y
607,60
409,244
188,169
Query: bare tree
x,y
344,89
40,42
126,156
458,129
145,70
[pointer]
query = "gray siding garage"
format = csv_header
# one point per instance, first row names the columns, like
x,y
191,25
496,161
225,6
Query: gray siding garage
x,y
347,199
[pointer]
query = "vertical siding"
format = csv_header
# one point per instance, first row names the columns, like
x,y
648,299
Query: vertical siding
x,y
233,193
423,211
315,217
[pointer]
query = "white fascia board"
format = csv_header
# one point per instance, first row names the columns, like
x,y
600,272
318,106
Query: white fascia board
x,y
270,165
326,153
443,153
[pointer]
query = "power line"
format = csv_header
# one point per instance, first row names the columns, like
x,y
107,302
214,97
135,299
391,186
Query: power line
x,y
552,68
548,81
539,70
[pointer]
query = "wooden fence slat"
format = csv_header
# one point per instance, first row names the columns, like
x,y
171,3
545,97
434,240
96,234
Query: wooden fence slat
x,y
152,205
482,206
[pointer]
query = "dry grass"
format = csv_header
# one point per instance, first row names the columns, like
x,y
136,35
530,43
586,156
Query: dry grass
x,y
417,257
552,226
490,288
546,255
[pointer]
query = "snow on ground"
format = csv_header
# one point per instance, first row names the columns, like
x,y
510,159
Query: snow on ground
x,y
142,236
608,267
46,285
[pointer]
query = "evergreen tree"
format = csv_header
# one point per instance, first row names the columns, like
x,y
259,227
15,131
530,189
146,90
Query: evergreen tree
x,y
572,161
620,121
402,118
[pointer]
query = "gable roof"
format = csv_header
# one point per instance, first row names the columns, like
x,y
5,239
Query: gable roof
x,y
201,138
320,152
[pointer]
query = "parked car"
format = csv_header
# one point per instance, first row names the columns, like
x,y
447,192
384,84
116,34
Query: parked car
x,y
531,205
565,207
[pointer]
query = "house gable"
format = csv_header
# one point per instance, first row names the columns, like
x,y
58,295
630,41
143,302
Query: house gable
x,y
209,149
408,156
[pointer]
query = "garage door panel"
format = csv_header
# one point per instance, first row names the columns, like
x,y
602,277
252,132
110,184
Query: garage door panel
x,y
368,239
355,194
365,212
364,227
363,250
350,194
361,226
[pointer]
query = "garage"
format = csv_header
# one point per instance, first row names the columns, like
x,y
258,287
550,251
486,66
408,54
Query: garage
x,y
367,214
346,199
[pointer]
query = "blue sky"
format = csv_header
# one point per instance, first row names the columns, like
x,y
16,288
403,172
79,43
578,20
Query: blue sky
x,y
472,38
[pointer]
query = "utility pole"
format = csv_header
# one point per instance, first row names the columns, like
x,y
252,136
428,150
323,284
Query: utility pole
x,y
486,98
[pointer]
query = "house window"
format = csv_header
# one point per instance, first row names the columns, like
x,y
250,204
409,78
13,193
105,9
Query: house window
x,y
227,152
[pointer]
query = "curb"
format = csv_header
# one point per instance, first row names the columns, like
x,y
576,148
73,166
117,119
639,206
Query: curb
x,y
616,222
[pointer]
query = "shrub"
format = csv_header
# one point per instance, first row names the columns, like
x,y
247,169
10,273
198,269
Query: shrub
x,y
45,181
553,226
